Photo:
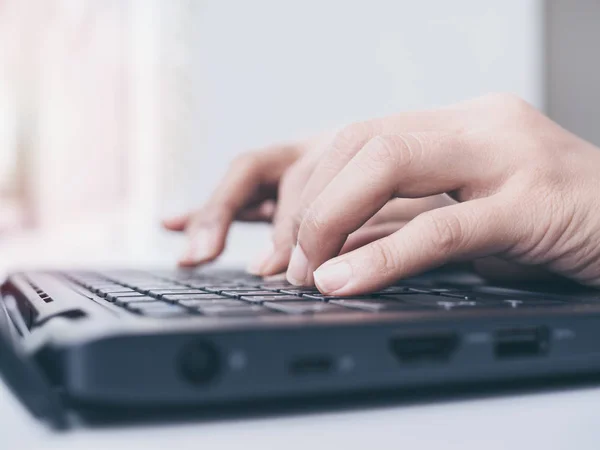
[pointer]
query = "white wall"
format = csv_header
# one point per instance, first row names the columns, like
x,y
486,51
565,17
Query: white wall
x,y
268,70
207,79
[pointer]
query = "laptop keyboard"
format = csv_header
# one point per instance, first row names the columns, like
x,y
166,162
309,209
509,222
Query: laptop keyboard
x,y
235,294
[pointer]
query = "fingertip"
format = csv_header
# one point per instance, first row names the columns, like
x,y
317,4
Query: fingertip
x,y
204,246
333,277
175,223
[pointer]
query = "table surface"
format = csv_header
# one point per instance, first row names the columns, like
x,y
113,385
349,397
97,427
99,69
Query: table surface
x,y
550,419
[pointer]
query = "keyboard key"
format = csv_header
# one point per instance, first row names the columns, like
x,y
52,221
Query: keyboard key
x,y
458,294
378,305
300,291
115,297
114,290
164,292
219,289
246,293
125,301
306,307
180,297
160,309
269,298
146,289
235,311
200,303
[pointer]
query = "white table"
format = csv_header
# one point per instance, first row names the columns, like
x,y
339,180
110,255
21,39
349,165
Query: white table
x,y
562,419
558,420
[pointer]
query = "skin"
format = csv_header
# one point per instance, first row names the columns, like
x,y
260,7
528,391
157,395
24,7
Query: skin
x,y
381,200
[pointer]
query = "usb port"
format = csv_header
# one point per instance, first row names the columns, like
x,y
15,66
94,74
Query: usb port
x,y
521,342
424,348
311,365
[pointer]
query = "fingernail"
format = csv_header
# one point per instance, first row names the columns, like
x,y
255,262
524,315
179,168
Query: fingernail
x,y
298,269
332,277
201,246
256,266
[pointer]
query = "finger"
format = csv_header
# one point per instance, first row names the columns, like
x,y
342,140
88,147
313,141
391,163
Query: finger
x,y
177,223
414,165
208,228
368,234
275,258
405,209
454,233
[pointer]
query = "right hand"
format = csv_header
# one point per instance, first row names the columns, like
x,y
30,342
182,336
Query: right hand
x,y
267,185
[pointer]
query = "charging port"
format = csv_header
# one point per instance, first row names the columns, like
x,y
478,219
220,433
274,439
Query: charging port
x,y
521,342
436,347
307,365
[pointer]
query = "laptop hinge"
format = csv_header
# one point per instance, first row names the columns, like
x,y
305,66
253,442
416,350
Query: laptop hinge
x,y
22,375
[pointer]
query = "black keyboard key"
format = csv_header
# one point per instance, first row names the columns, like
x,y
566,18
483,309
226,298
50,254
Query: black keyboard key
x,y
235,311
246,293
126,301
160,309
459,294
165,292
152,287
270,298
306,307
277,285
300,291
115,297
180,297
114,290
204,303
379,305
219,289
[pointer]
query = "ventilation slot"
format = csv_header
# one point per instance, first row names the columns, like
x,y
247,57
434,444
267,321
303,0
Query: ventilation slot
x,y
45,297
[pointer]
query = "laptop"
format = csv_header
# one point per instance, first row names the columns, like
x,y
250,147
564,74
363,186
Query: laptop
x,y
134,340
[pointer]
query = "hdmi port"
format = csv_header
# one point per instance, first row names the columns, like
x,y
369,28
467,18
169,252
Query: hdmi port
x,y
426,348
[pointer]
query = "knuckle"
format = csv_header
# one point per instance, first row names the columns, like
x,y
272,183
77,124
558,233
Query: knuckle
x,y
384,258
351,137
446,230
312,220
509,106
377,155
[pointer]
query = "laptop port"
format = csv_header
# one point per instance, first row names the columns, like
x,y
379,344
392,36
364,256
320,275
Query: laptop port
x,y
521,342
424,348
199,363
307,365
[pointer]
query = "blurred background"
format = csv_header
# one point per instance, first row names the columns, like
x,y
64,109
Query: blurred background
x,y
115,113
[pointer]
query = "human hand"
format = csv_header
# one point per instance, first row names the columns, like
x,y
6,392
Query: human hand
x,y
527,191
266,185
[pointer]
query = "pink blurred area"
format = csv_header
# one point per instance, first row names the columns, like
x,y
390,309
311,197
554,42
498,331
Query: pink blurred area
x,y
65,65
67,140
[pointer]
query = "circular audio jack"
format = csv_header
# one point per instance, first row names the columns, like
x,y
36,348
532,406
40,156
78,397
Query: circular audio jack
x,y
199,363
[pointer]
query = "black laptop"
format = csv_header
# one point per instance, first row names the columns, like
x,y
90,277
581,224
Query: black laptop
x,y
130,339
